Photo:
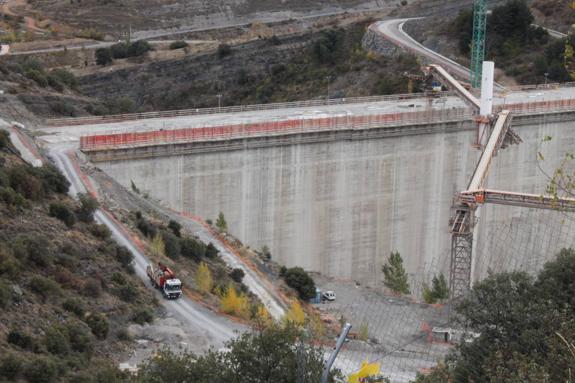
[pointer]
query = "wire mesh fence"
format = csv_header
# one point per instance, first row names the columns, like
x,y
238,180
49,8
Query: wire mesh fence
x,y
406,335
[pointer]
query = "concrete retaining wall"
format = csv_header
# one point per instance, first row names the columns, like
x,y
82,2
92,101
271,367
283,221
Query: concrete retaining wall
x,y
340,206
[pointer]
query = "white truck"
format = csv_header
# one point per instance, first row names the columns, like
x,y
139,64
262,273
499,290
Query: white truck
x,y
164,279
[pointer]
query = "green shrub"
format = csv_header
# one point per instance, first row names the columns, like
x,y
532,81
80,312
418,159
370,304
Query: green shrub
x,y
88,206
119,278
5,139
119,51
38,76
99,325
10,367
100,231
63,213
81,338
237,275
20,339
92,288
211,251
56,341
75,306
11,198
171,244
44,287
299,280
224,50
23,181
35,249
52,179
63,108
127,293
138,48
104,56
41,370
123,334
191,248
124,256
178,45
5,295
143,316
175,227
62,76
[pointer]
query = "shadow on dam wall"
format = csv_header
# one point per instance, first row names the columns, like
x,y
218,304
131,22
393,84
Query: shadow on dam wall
x,y
340,207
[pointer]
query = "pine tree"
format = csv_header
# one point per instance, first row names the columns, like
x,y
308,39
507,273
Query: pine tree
x,y
395,275
440,289
221,223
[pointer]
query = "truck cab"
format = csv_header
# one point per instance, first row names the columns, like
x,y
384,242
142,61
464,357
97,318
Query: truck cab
x,y
172,288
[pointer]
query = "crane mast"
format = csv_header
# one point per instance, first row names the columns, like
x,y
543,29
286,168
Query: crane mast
x,y
478,43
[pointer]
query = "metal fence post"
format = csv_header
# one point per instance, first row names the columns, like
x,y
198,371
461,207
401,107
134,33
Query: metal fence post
x,y
333,356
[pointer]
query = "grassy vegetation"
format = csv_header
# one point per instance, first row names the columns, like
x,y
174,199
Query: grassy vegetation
x,y
60,282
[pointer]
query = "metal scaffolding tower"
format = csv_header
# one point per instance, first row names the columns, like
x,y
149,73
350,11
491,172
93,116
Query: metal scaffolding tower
x,y
478,47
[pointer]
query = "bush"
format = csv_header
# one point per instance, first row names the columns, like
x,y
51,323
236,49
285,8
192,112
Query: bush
x,y
211,251
237,275
127,293
20,339
38,76
63,213
119,278
175,227
41,370
44,287
35,249
123,334
100,231
11,198
171,245
10,367
52,179
119,51
104,56
75,306
99,325
63,108
298,279
5,295
143,316
81,339
179,45
191,248
88,206
4,139
56,341
224,50
65,77
147,228
23,181
92,288
124,256
138,48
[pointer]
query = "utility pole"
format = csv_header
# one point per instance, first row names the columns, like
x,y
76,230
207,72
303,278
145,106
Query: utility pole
x,y
478,47
219,96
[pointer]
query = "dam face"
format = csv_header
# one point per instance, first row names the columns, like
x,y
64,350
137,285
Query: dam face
x,y
341,207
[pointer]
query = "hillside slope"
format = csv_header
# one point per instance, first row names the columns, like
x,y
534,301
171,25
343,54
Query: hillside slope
x,y
67,291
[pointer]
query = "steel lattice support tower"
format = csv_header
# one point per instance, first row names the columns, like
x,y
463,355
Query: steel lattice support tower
x,y
478,43
462,224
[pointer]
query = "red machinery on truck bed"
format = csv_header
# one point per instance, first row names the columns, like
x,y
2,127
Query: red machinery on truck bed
x,y
164,279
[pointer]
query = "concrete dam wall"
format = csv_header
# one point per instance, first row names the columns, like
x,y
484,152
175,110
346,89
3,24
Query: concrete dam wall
x,y
340,207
